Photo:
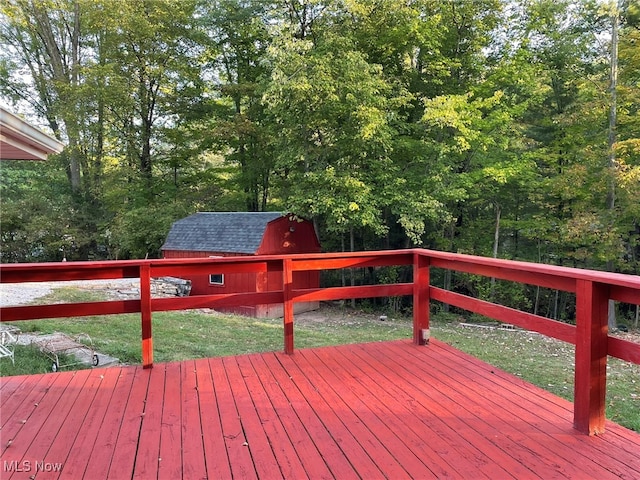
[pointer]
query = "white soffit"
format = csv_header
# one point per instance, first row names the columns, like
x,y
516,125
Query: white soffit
x,y
21,141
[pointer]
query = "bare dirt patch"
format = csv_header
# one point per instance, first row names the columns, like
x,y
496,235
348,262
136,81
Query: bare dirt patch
x,y
332,315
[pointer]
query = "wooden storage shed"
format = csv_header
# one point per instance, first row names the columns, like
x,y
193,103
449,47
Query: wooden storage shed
x,y
225,234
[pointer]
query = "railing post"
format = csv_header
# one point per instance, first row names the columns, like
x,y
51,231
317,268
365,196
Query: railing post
x,y
590,357
420,299
145,314
287,287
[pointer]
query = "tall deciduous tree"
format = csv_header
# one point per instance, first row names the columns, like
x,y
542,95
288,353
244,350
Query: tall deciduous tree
x,y
471,125
153,53
330,108
237,31
627,146
43,44
112,79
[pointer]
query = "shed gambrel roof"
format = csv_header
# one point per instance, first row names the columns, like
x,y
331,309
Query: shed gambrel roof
x,y
224,232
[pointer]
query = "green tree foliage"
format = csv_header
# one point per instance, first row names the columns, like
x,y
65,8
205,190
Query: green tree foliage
x,y
117,82
331,108
628,145
238,38
34,228
152,63
479,126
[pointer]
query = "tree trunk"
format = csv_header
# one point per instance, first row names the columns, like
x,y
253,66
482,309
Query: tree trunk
x,y
65,71
537,303
611,194
496,241
613,115
447,273
145,153
73,162
352,246
343,278
496,234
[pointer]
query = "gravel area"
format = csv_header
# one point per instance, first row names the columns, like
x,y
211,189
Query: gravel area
x,y
22,293
12,294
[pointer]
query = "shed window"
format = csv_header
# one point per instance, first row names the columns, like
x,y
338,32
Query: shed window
x,y
216,279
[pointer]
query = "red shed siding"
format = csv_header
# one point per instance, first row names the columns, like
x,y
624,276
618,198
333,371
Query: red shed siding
x,y
288,236
281,236
285,236
236,283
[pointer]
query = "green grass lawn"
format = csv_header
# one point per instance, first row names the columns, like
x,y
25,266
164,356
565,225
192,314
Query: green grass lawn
x,y
545,362
29,360
542,361
196,334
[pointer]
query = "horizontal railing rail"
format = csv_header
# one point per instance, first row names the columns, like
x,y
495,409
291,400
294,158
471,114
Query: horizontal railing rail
x,y
593,290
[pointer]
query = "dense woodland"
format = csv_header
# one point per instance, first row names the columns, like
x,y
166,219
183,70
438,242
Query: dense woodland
x,y
504,128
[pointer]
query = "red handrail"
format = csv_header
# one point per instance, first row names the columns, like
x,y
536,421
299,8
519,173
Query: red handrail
x,y
593,290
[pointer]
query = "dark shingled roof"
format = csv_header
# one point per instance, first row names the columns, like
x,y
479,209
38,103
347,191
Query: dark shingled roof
x,y
223,232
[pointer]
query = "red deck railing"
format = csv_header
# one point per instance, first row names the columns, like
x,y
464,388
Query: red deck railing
x,y
593,290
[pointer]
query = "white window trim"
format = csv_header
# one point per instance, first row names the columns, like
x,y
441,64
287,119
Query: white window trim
x,y
221,282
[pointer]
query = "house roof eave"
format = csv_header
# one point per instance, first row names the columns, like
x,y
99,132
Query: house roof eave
x,y
20,140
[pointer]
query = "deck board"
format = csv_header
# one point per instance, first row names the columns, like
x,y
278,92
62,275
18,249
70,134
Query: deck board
x,y
149,445
76,459
392,409
310,431
234,435
313,419
295,433
126,439
363,451
447,418
555,426
52,434
192,434
32,435
393,456
275,434
517,438
72,424
558,442
215,452
255,441
404,415
20,405
379,410
102,451
170,463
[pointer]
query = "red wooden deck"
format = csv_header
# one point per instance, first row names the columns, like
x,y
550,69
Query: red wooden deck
x,y
379,410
